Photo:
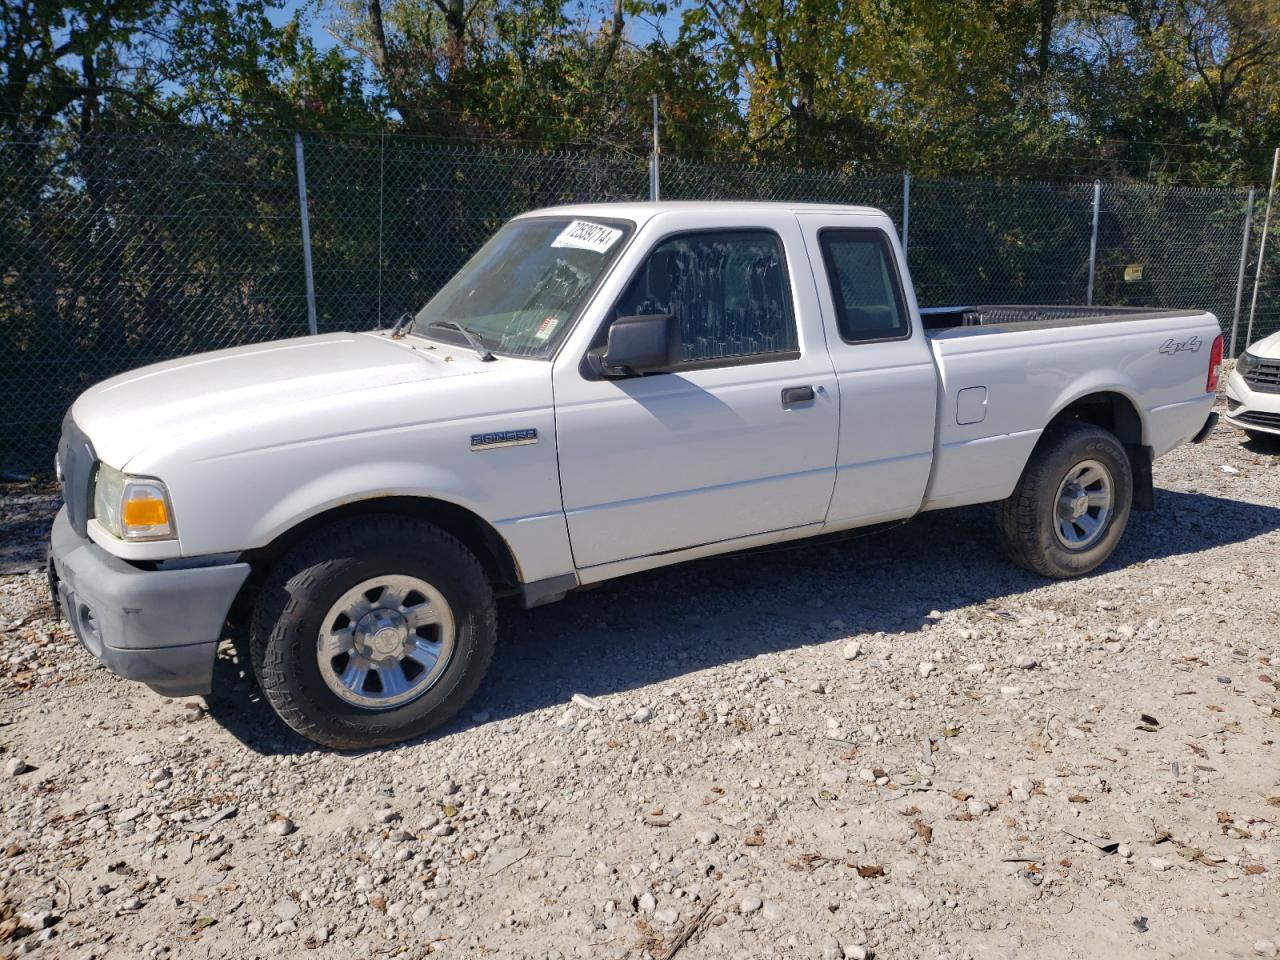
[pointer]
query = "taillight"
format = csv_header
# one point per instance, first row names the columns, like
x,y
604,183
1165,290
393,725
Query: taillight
x,y
1215,366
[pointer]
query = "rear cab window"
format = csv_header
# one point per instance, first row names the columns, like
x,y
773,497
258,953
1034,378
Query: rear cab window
x,y
865,287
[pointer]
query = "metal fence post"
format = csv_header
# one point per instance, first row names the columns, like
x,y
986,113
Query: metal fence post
x,y
1262,246
306,232
1244,258
655,192
906,207
1093,242
382,167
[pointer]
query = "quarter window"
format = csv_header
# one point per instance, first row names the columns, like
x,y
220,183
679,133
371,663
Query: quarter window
x,y
729,291
864,285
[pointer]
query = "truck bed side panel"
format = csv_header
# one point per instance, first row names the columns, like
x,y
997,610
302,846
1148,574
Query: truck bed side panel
x,y
1158,363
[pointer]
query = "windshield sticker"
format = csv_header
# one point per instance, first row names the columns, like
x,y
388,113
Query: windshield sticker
x,y
585,235
546,328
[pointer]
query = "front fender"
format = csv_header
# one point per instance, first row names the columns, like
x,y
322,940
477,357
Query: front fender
x,y
355,483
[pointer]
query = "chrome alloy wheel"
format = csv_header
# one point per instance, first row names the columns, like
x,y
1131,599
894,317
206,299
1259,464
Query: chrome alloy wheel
x,y
1083,505
386,641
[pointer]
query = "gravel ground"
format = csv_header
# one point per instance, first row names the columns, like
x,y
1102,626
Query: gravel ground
x,y
896,746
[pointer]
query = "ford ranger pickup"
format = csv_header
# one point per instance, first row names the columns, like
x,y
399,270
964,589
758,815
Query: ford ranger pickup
x,y
602,389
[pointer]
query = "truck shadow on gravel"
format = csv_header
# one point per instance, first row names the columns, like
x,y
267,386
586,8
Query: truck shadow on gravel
x,y
664,625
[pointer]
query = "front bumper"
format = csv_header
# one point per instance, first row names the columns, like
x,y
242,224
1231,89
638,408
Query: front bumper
x,y
1251,409
160,627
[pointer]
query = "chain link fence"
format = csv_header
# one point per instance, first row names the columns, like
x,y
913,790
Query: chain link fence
x,y
119,249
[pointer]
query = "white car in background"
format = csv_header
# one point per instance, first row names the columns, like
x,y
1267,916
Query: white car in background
x,y
1253,390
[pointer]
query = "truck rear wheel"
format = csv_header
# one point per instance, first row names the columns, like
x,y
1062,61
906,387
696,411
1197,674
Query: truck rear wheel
x,y
373,630
1071,504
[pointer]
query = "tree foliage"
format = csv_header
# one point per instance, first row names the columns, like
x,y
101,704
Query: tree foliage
x,y
1176,89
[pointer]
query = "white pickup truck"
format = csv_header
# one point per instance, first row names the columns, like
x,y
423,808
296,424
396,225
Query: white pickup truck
x,y
601,389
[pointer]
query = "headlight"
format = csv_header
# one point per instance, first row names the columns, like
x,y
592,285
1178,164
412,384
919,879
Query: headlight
x,y
131,508
1246,363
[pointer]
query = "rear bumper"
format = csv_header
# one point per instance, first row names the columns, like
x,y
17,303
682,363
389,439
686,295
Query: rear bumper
x,y
159,627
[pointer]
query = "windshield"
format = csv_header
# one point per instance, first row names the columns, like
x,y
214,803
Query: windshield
x,y
518,294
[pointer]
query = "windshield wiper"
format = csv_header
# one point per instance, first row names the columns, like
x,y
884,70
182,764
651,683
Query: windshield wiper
x,y
483,352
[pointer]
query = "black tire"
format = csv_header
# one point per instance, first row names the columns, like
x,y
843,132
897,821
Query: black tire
x,y
303,585
1028,519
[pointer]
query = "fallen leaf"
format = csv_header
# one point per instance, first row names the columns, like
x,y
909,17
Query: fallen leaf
x,y
378,902
1148,718
1078,798
1254,869
203,922
12,929
867,871
923,831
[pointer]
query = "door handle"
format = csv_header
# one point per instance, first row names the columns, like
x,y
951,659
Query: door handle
x,y
794,395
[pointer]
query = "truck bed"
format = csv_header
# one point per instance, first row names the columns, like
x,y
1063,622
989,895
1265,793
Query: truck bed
x,y
1019,365
1018,316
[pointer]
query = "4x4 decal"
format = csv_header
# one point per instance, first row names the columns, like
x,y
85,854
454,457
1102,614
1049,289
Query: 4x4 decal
x,y
1172,346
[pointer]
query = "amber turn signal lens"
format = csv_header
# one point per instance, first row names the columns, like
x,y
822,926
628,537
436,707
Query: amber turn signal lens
x,y
145,512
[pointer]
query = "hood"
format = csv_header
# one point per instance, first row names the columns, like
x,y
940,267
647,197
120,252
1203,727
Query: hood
x,y
1268,348
125,414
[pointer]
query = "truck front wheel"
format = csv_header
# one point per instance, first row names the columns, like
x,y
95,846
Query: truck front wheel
x,y
1071,504
372,630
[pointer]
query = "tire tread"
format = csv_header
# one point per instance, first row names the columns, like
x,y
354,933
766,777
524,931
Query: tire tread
x,y
282,602
1018,516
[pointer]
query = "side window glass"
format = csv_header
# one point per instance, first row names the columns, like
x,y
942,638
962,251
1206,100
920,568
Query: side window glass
x,y
864,285
729,291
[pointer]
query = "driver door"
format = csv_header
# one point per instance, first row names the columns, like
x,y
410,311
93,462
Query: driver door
x,y
740,439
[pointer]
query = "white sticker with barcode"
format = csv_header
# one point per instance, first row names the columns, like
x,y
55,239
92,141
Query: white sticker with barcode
x,y
585,235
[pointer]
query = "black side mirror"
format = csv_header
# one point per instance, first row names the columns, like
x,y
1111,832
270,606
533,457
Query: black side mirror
x,y
649,343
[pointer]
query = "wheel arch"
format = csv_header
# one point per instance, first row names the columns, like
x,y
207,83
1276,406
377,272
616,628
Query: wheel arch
x,y
1120,415
469,528
1111,409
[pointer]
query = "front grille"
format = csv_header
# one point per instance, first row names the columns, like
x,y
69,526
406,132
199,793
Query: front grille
x,y
78,463
1259,419
1265,377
